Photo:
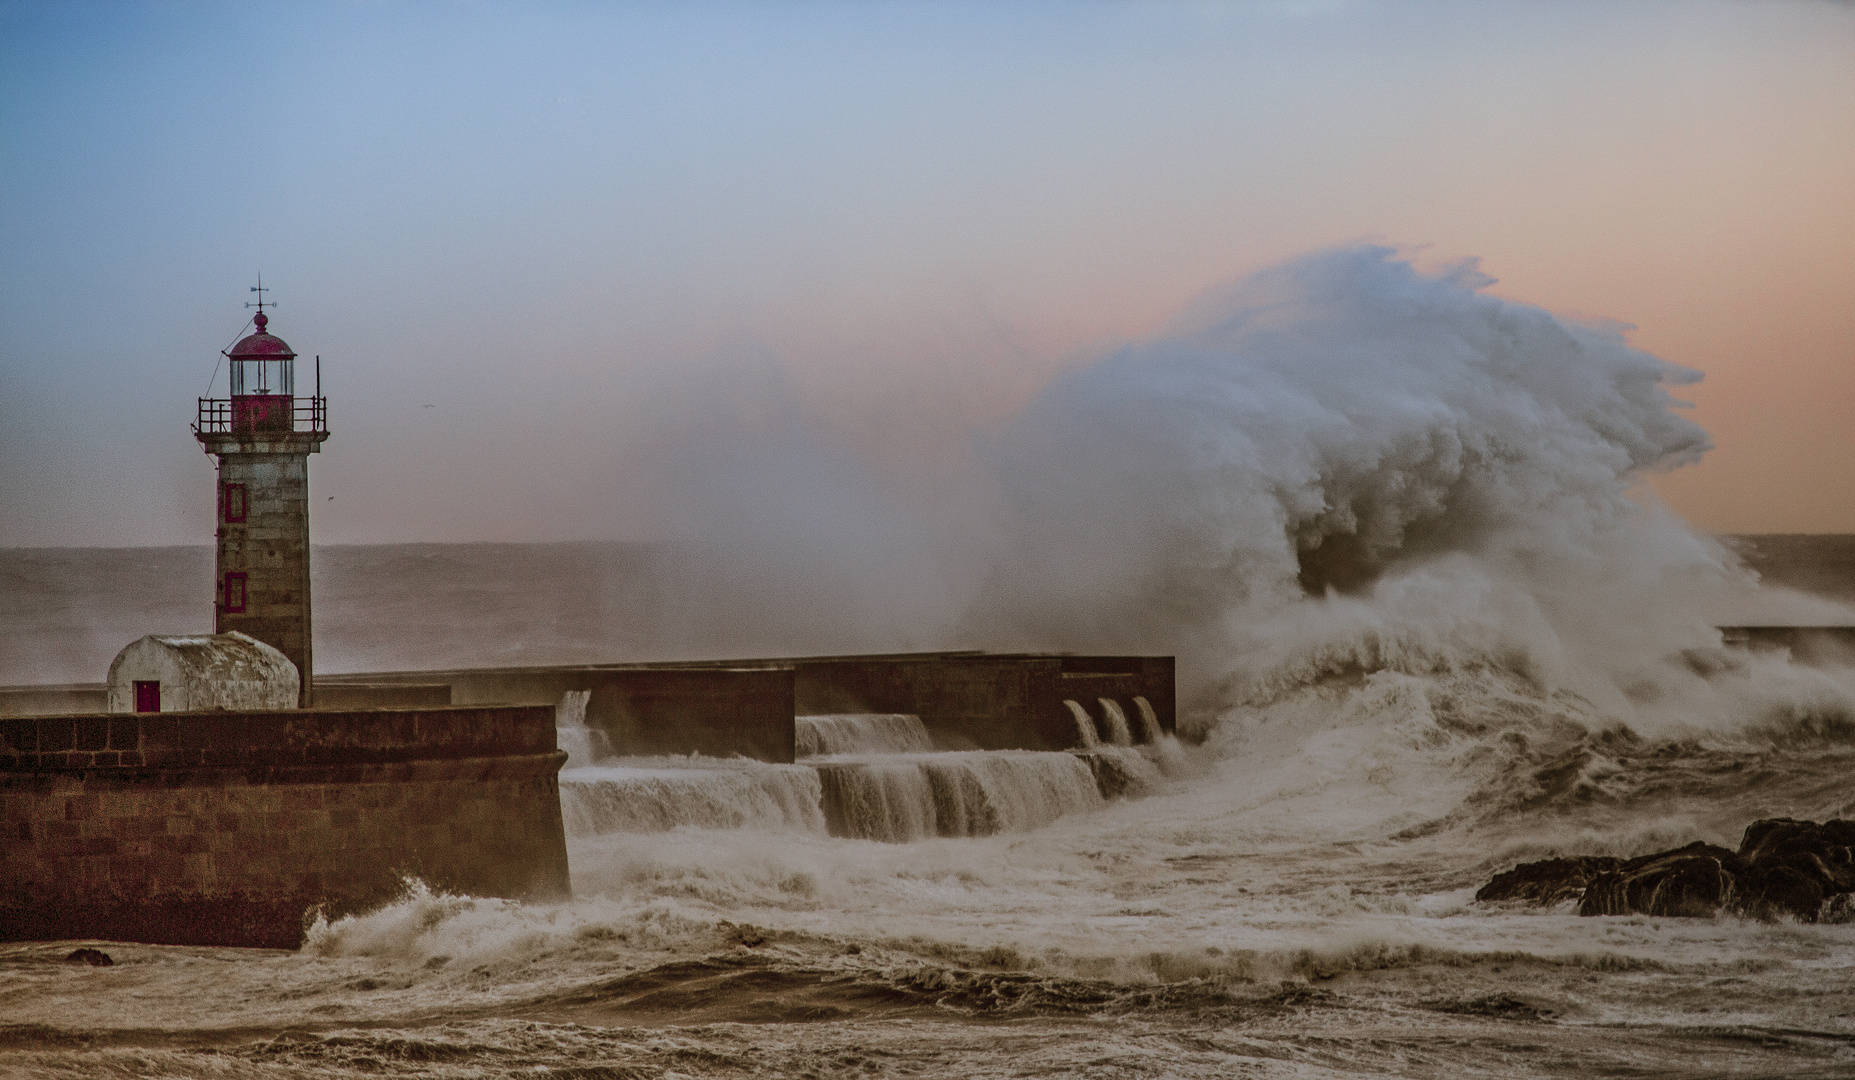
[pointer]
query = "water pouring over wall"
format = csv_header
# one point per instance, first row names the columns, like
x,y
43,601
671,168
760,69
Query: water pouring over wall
x,y
1116,721
973,793
871,776
584,745
861,733
891,797
722,795
1085,724
878,775
1149,721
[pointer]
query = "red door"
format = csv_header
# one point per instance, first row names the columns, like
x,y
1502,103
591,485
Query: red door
x,y
147,695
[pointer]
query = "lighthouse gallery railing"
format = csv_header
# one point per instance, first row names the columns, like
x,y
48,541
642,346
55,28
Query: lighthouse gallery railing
x,y
262,413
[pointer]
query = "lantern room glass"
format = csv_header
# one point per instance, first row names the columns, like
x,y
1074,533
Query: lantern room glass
x,y
269,375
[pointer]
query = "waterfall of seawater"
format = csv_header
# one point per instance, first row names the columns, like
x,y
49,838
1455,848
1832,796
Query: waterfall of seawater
x,y
1118,732
892,797
861,733
725,795
1121,771
871,776
1149,720
970,793
1085,724
582,744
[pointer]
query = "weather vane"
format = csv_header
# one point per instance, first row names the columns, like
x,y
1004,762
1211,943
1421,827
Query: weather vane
x,y
260,290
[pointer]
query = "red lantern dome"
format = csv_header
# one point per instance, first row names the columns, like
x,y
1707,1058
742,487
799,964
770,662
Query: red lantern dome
x,y
261,345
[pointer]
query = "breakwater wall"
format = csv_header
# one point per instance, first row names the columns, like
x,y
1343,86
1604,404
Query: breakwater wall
x,y
225,828
966,700
390,696
72,698
716,710
54,700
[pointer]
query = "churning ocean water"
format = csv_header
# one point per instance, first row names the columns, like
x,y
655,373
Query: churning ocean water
x,y
1425,632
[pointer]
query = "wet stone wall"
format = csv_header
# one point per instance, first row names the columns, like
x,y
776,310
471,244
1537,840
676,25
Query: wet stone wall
x,y
231,828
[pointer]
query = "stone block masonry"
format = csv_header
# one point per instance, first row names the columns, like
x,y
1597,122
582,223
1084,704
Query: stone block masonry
x,y
228,828
263,539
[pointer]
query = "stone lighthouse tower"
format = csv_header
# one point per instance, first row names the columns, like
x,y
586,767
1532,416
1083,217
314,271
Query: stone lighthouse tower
x,y
263,436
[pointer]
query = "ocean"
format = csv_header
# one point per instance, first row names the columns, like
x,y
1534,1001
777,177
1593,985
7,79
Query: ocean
x,y
1292,896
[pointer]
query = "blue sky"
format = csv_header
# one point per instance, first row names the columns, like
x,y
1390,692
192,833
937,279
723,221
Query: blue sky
x,y
533,242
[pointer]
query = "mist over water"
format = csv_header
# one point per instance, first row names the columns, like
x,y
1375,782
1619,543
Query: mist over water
x,y
1425,630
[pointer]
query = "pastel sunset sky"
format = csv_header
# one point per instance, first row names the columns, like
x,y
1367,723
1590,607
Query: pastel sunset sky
x,y
530,242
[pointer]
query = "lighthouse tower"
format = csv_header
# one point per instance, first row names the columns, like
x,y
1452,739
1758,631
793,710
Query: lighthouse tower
x,y
263,436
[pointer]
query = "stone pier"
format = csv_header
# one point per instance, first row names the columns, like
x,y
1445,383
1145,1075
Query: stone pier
x,y
229,828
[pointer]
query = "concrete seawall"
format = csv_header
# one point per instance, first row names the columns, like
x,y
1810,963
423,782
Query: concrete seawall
x,y
393,696
991,701
717,710
225,828
54,700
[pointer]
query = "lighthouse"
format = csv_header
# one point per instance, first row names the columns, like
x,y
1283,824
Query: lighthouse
x,y
263,435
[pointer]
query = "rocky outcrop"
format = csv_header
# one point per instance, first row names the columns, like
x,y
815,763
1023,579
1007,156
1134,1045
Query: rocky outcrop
x,y
1550,881
1783,869
1697,880
1800,867
93,957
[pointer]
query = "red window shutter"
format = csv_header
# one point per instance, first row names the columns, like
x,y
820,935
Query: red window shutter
x,y
147,695
235,590
234,503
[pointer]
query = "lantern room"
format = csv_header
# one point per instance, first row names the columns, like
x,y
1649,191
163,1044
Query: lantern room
x,y
263,401
263,378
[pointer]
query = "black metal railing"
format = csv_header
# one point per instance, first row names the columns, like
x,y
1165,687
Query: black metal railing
x,y
261,414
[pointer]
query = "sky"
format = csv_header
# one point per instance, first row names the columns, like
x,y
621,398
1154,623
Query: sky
x,y
543,250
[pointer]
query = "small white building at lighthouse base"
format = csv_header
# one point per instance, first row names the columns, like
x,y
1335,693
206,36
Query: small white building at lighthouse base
x,y
188,673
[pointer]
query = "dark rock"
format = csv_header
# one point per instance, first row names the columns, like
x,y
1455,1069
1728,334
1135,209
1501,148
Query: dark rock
x,y
1785,838
1797,867
1549,881
1783,869
93,957
1697,880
